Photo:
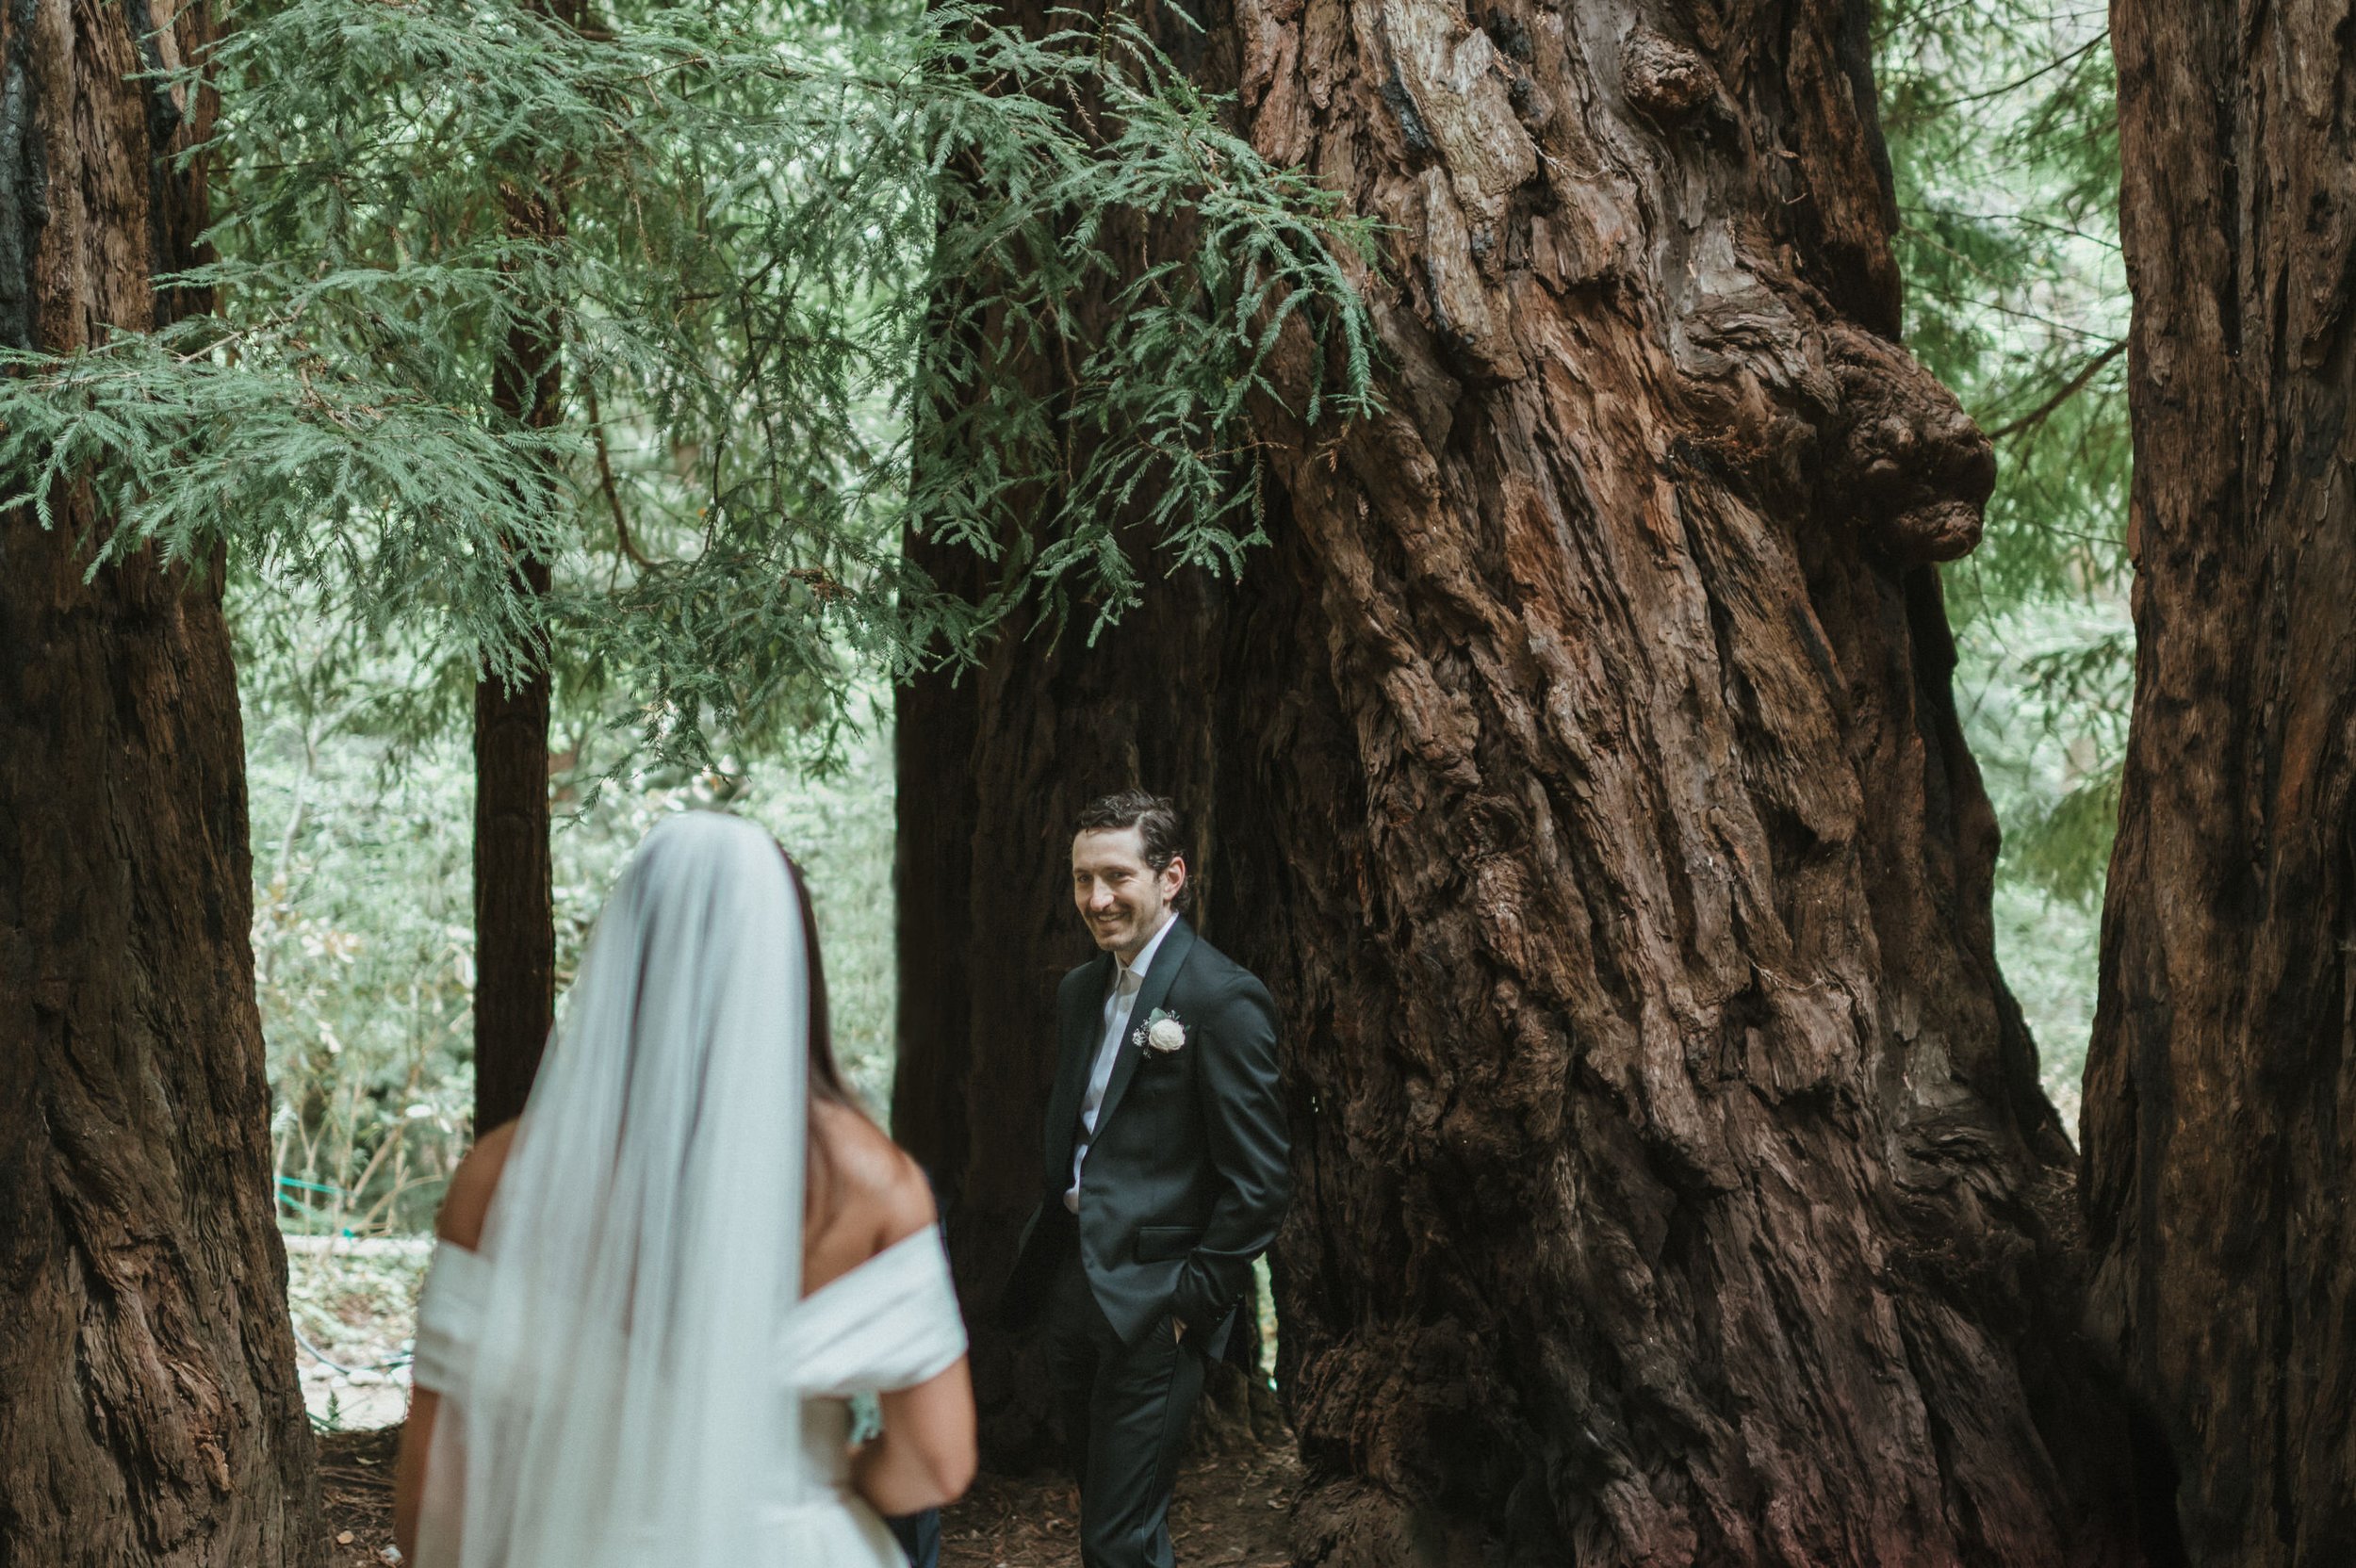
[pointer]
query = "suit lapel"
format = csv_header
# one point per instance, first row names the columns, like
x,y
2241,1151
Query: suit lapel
x,y
1079,1030
1167,960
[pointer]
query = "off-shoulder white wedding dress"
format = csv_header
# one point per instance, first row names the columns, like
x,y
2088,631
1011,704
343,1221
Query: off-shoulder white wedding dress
x,y
630,1374
891,1323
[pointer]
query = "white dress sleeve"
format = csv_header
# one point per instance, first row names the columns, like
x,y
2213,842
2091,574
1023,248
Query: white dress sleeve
x,y
891,1323
449,1319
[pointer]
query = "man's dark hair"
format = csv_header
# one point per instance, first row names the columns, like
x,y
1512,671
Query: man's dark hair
x,y
1154,817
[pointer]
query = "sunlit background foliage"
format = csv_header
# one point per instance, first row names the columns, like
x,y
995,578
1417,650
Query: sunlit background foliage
x,y
2002,135
364,919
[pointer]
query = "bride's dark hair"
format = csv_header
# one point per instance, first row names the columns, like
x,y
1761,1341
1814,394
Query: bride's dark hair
x,y
826,1077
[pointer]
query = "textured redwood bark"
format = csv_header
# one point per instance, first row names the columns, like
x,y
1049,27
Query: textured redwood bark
x,y
2221,1096
1674,1182
149,1409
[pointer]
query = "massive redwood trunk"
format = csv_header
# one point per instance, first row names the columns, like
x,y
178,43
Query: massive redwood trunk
x,y
149,1411
1674,1184
1674,1181
2221,1097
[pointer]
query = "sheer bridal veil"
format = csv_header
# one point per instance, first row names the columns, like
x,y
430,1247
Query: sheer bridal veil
x,y
646,1237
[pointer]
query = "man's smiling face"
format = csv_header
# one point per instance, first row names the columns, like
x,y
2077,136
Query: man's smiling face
x,y
1120,897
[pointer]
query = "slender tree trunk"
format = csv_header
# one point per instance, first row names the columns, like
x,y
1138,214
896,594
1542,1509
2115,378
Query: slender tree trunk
x,y
515,900
149,1408
2220,1098
936,814
1674,1182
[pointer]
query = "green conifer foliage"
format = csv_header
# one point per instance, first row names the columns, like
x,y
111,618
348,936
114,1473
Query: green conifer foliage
x,y
755,226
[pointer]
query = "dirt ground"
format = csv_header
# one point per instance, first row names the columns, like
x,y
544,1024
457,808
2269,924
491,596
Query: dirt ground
x,y
356,1496
1231,1510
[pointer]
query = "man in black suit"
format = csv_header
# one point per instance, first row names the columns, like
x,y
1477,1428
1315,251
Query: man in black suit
x,y
1164,1177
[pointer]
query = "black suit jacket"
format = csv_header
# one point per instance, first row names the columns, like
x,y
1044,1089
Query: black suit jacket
x,y
1189,1170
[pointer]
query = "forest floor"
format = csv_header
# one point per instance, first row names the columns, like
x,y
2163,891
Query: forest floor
x,y
1231,1510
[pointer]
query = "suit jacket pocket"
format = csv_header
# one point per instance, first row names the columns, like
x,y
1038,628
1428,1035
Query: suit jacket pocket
x,y
1161,1242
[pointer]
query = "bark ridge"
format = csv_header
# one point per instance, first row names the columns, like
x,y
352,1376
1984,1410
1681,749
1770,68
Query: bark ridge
x,y
2220,1092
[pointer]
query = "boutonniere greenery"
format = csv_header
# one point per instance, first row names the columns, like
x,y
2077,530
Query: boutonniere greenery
x,y
1161,1033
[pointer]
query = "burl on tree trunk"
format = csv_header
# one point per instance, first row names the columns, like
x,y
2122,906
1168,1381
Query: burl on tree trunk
x,y
1674,1183
2221,1096
149,1410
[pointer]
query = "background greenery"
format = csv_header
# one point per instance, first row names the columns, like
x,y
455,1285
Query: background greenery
x,y
362,928
2004,140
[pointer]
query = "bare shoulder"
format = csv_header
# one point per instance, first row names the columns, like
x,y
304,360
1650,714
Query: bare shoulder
x,y
467,1200
884,1194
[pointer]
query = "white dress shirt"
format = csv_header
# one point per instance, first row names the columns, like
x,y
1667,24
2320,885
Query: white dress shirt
x,y
1128,979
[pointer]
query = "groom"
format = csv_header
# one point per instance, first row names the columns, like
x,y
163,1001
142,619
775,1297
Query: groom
x,y
1164,1177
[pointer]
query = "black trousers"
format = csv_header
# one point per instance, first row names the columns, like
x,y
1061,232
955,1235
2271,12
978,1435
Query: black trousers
x,y
919,1535
1126,1409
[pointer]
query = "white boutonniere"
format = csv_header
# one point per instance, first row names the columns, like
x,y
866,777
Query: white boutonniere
x,y
1161,1033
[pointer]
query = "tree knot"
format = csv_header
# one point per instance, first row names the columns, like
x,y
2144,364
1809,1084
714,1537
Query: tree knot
x,y
1903,457
1665,79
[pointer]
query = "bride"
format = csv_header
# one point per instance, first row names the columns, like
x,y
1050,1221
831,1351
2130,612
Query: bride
x,y
653,1292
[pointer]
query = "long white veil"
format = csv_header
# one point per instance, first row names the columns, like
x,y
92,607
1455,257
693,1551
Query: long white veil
x,y
623,1407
